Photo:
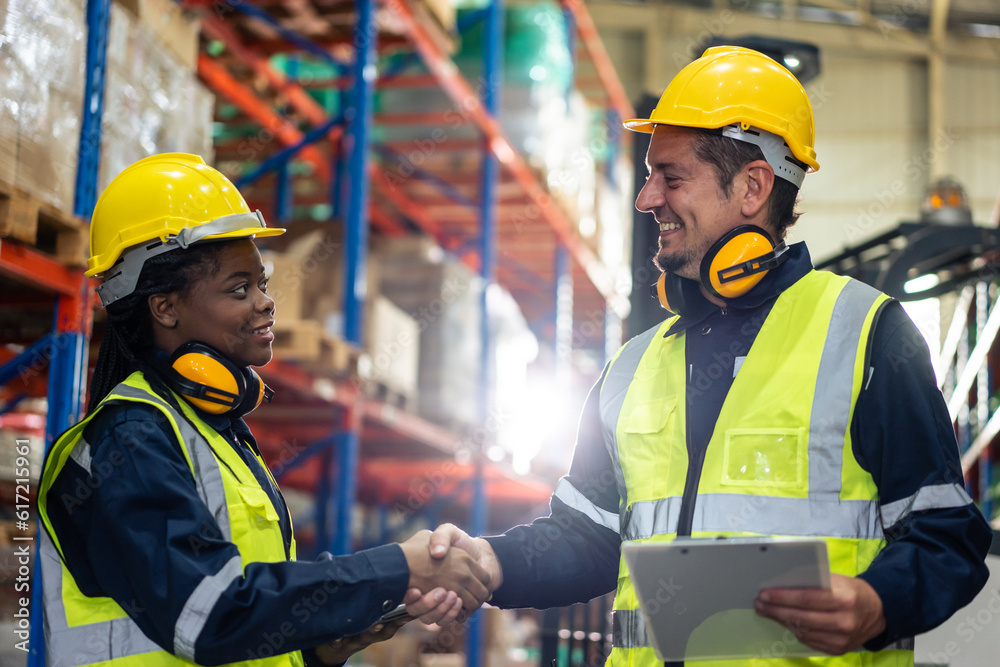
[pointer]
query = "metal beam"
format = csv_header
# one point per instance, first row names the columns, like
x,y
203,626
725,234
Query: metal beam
x,y
296,95
26,265
221,81
936,66
599,56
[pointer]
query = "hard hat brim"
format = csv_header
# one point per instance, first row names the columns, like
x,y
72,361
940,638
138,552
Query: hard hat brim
x,y
644,125
247,233
647,125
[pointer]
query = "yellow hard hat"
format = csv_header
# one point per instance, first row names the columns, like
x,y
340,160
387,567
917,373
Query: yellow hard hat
x,y
173,199
733,85
157,198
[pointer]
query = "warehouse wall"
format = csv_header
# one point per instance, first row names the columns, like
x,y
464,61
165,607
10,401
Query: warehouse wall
x,y
871,106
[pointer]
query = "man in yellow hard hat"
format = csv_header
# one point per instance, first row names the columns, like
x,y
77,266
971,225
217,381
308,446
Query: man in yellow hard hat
x,y
775,401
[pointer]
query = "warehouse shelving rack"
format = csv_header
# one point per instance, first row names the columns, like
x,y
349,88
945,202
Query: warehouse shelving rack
x,y
557,254
66,348
410,213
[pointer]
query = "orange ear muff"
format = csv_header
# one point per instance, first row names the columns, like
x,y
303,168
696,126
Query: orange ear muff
x,y
257,392
210,382
739,260
669,292
661,291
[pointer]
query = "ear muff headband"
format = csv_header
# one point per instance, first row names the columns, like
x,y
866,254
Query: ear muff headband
x,y
739,260
212,383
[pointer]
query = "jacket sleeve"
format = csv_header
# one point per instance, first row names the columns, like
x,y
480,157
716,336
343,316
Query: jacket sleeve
x,y
937,540
134,529
572,554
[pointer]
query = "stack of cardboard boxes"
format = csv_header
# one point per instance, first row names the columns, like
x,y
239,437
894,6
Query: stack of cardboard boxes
x,y
421,330
153,101
42,56
153,104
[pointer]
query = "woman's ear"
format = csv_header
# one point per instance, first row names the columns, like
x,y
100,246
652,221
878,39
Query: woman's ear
x,y
162,307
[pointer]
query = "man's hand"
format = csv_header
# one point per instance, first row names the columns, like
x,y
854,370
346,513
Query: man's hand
x,y
339,650
443,607
456,570
834,621
448,535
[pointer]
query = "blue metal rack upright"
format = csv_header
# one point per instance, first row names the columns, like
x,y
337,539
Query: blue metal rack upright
x,y
356,250
491,90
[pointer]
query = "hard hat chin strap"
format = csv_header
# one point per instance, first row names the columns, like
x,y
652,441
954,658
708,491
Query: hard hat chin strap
x,y
120,280
775,150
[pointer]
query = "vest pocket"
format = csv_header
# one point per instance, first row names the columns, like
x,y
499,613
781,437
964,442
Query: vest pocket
x,y
765,458
255,526
646,455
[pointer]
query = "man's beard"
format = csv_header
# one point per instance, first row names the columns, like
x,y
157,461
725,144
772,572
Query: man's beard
x,y
670,262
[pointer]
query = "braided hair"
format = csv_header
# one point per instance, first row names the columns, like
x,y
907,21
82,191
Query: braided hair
x,y
128,338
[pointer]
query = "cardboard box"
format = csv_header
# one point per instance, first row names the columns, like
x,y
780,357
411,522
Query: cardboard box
x,y
443,298
393,344
305,271
176,29
307,282
11,82
444,12
47,158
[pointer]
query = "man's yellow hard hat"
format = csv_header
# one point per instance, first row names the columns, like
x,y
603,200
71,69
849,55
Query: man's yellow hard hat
x,y
731,85
160,196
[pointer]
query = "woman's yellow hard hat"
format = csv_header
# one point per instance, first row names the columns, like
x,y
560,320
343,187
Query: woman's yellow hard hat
x,y
158,204
730,85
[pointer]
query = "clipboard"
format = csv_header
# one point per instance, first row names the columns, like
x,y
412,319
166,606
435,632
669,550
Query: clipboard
x,y
697,595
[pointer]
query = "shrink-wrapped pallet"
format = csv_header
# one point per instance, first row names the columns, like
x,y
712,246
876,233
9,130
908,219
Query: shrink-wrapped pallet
x,y
153,101
442,295
42,64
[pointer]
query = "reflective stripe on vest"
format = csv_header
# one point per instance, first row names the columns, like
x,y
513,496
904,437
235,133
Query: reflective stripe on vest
x,y
570,495
105,641
822,495
615,387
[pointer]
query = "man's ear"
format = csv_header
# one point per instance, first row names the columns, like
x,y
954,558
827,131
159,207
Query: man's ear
x,y
162,307
760,182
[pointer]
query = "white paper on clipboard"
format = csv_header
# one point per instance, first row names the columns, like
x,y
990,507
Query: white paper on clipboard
x,y
697,595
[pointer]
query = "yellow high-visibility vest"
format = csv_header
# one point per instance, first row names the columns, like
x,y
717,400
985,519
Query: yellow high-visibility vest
x,y
779,462
81,630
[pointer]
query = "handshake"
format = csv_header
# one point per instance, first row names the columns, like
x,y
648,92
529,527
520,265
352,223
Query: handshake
x,y
449,571
451,575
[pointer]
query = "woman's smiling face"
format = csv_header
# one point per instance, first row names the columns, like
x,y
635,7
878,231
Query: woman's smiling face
x,y
228,308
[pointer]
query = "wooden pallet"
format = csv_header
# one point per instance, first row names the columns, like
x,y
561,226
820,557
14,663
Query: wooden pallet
x,y
306,341
54,232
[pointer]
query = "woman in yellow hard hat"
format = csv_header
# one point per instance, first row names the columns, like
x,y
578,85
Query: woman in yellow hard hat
x,y
167,541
